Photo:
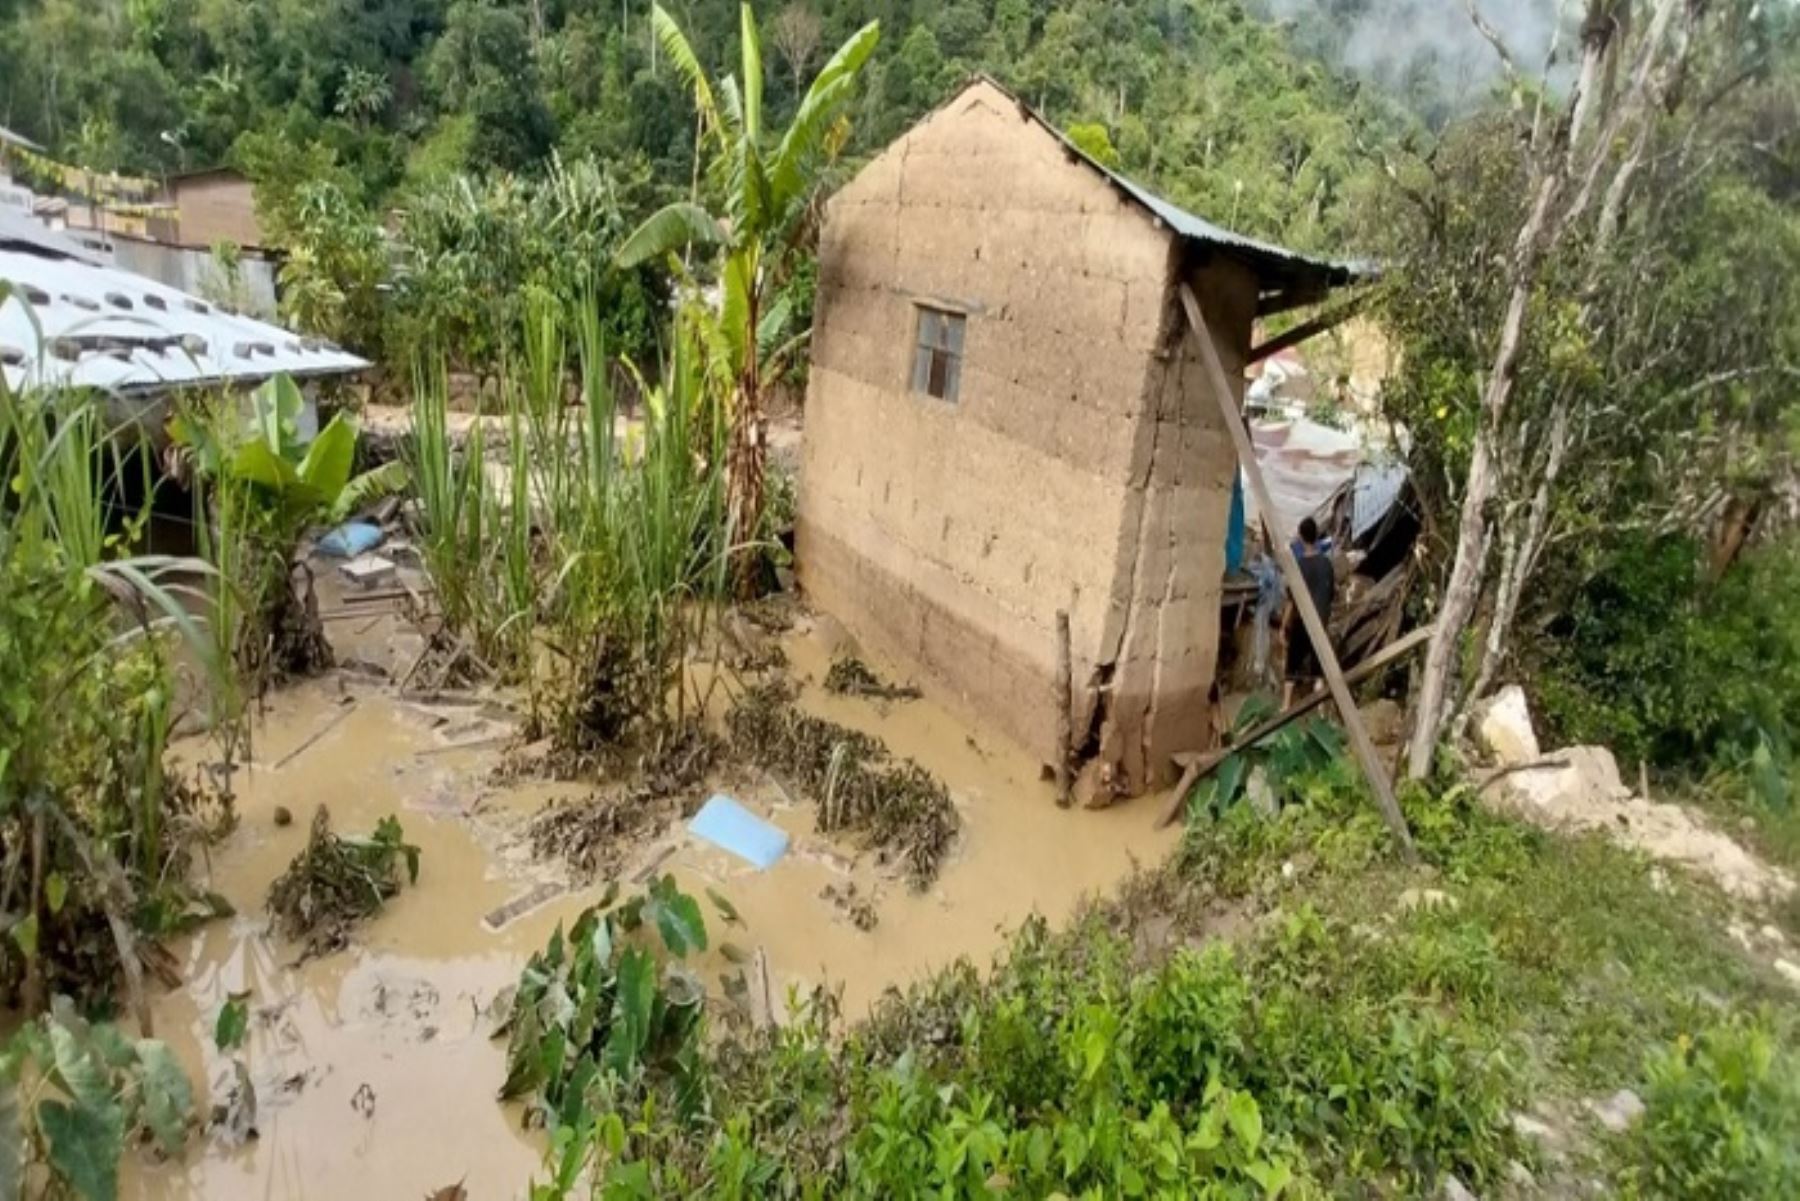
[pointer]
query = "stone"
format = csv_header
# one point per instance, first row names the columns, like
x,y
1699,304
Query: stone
x,y
1503,728
1537,1130
1455,1190
1618,1112
283,816
1519,1175
1427,898
1261,796
1384,720
1789,971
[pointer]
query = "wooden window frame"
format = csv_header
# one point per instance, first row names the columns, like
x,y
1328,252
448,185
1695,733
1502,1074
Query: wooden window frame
x,y
939,336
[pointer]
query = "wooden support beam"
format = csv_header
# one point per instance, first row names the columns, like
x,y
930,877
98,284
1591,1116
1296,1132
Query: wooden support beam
x,y
1306,329
1198,766
1222,391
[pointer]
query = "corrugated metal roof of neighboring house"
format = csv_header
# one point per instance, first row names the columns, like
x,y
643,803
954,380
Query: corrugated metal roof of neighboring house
x,y
73,320
1192,226
18,139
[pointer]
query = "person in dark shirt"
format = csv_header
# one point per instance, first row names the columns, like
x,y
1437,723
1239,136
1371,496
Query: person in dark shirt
x,y
1303,666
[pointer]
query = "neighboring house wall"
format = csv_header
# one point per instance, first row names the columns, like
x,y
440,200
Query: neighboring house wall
x,y
216,207
950,534
195,271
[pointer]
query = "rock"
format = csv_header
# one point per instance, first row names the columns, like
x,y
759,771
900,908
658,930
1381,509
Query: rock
x,y
1659,879
1384,720
1288,870
366,571
1538,1131
1503,728
1455,1190
1427,898
1261,796
1789,971
283,816
1618,1112
1519,1175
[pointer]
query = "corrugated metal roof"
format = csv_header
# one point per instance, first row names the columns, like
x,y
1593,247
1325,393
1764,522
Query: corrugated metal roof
x,y
1192,226
17,139
72,320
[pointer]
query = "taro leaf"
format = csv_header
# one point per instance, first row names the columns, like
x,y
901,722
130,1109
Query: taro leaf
x,y
677,917
608,897
1328,737
85,1143
166,1097
56,891
627,1182
12,1141
1767,779
734,953
631,914
1257,708
1231,776
77,1072
1273,1177
25,933
1246,1120
633,1004
726,909
233,1022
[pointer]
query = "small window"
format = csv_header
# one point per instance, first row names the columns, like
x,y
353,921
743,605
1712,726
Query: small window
x,y
937,354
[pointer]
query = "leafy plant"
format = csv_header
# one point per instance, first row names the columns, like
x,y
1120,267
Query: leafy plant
x,y
92,852
269,486
595,1011
337,881
1722,1119
74,1095
1287,758
768,187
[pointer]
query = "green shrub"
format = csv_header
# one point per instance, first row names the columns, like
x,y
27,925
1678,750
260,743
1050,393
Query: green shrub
x,y
1661,665
1722,1119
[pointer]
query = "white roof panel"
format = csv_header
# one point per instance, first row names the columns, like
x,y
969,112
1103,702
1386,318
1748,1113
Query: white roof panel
x,y
81,323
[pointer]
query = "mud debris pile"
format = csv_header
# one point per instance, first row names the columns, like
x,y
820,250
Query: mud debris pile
x,y
336,882
850,676
899,808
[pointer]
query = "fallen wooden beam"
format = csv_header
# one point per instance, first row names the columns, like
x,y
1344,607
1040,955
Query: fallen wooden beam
x,y
1360,743
1197,765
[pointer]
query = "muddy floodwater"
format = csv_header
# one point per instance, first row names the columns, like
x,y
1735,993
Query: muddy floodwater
x,y
373,1067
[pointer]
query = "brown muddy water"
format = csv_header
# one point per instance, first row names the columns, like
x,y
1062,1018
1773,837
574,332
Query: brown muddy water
x,y
374,1071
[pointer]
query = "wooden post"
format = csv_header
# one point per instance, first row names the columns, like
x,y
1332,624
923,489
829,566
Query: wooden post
x,y
1290,569
1065,701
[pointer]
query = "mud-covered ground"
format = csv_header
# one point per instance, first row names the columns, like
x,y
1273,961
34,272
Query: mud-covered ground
x,y
373,1070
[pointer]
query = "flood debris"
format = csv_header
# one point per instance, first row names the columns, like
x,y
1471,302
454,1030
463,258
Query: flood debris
x,y
903,811
850,676
858,908
597,835
336,882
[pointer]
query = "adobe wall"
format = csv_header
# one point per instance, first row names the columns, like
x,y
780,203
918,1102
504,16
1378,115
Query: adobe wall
x,y
948,535
215,208
1167,643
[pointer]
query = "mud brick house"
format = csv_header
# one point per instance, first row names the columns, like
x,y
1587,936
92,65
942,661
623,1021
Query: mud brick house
x,y
1007,417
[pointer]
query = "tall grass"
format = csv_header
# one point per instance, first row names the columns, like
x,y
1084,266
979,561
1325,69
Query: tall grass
x,y
586,567
87,702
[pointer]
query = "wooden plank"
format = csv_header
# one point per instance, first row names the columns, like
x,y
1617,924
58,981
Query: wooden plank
x,y
1065,701
1196,765
1290,570
1306,329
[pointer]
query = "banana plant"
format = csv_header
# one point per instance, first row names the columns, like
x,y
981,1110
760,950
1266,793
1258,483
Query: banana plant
x,y
276,485
766,185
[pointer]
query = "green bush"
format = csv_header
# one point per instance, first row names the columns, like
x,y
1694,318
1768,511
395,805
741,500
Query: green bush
x,y
1661,665
1722,1119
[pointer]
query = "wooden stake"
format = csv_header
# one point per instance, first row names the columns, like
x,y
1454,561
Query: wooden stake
x,y
1195,767
1290,570
1065,701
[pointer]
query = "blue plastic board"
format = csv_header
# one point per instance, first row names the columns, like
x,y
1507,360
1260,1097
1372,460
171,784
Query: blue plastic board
x,y
727,824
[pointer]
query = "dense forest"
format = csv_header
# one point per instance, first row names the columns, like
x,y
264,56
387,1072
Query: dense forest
x,y
1202,97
